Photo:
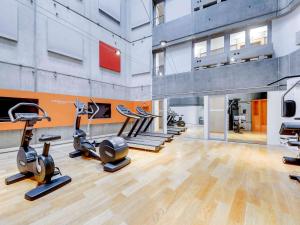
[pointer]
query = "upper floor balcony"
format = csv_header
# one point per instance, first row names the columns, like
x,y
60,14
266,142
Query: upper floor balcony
x,y
208,17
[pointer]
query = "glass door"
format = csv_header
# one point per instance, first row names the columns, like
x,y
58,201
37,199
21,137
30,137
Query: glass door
x,y
217,117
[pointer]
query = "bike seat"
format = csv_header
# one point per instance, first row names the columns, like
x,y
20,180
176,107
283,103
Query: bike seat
x,y
45,138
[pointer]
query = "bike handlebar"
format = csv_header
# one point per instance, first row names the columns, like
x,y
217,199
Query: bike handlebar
x,y
15,118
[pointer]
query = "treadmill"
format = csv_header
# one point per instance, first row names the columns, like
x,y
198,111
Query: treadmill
x,y
143,130
136,142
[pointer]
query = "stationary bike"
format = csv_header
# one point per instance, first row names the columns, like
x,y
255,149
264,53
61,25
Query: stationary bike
x,y
112,152
180,122
30,164
173,121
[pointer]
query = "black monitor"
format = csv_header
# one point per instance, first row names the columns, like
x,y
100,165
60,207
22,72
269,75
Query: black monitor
x,y
8,102
104,110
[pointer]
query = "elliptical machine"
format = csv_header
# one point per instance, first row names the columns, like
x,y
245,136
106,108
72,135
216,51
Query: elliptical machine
x,y
30,164
112,152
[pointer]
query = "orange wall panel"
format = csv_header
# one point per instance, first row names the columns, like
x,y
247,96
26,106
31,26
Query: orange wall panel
x,y
259,115
61,109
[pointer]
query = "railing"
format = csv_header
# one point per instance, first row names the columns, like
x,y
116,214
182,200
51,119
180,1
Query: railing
x,y
237,56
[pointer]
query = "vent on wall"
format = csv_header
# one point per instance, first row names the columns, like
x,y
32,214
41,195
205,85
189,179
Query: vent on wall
x,y
64,41
202,4
111,9
9,20
109,57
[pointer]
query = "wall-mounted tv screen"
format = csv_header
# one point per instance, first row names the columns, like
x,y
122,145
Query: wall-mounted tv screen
x,y
104,110
6,103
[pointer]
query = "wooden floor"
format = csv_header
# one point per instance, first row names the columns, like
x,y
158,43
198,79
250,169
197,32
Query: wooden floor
x,y
248,136
188,183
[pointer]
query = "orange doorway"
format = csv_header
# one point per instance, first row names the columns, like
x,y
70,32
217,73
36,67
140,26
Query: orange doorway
x,y
259,115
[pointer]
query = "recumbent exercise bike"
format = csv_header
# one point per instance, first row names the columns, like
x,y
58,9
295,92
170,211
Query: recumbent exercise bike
x,y
30,164
112,151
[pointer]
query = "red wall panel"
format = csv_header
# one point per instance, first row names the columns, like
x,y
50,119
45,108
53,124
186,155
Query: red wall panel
x,y
108,58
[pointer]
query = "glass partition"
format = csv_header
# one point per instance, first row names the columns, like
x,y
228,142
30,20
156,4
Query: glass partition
x,y
247,117
216,117
159,63
190,110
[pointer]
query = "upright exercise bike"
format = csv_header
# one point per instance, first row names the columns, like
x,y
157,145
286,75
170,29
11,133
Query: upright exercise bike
x,y
30,164
112,152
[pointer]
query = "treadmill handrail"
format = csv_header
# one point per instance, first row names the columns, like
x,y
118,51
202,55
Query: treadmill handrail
x,y
142,111
131,115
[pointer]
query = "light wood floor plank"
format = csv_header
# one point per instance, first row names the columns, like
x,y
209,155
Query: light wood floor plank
x,y
189,182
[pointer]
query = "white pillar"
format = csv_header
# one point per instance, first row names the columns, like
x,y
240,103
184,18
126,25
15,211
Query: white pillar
x,y
206,118
165,115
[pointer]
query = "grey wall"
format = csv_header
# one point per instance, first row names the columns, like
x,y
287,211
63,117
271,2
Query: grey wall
x,y
237,78
216,19
53,49
283,22
53,46
13,138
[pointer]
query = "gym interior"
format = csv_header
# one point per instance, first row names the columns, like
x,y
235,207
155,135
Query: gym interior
x,y
132,112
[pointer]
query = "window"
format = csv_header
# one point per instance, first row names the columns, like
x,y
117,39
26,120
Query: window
x,y
237,40
7,103
159,17
104,110
259,35
159,63
200,49
217,45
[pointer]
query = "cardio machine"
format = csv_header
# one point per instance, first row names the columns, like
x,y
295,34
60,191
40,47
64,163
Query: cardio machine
x,y
144,143
30,164
112,152
292,129
148,119
288,110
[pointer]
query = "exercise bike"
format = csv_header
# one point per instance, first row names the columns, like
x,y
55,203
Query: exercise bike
x,y
30,164
112,152
238,122
175,122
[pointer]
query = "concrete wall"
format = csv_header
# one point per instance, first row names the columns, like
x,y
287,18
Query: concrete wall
x,y
284,31
175,9
274,117
140,57
178,59
13,138
74,63
49,47
212,20
237,78
191,114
